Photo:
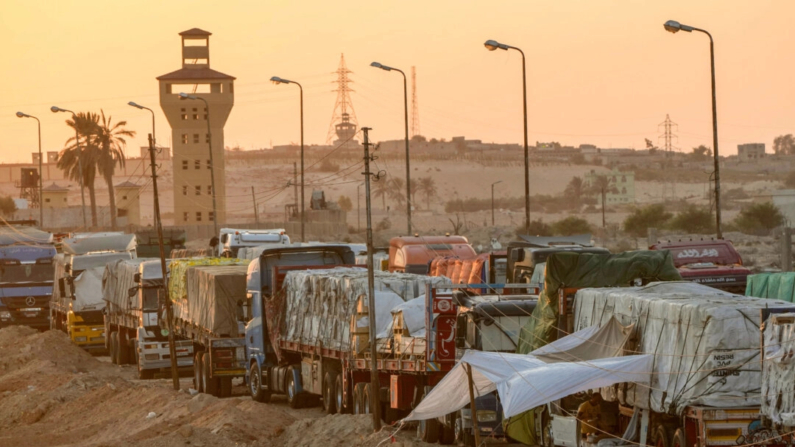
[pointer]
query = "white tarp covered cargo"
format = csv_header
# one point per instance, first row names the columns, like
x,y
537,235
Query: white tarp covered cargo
x,y
778,374
88,290
215,298
319,303
86,298
100,242
119,278
705,342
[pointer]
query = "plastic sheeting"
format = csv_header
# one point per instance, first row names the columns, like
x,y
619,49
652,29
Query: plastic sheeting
x,y
578,270
590,343
94,299
99,243
524,382
706,342
413,313
12,234
119,277
178,267
314,307
778,375
216,295
88,290
780,286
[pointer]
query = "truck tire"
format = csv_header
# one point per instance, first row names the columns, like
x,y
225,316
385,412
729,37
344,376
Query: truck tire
x,y
293,399
358,402
225,388
342,401
661,437
428,430
113,351
255,385
197,372
211,384
446,434
329,393
123,351
678,439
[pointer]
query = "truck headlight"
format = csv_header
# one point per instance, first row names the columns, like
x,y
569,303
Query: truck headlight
x,y
79,339
487,416
5,315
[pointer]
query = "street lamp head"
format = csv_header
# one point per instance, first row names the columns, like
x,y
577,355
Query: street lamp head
x,y
137,106
673,26
381,66
21,115
56,109
187,96
277,80
492,45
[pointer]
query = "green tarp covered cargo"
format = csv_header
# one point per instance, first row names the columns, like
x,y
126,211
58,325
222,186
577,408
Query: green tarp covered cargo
x,y
582,270
779,286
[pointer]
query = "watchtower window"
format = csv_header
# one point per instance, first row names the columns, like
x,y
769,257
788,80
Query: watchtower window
x,y
185,137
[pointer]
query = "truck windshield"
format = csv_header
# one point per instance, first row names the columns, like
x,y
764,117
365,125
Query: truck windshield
x,y
19,273
150,298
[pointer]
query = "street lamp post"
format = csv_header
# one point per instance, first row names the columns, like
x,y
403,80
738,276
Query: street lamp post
x,y
41,199
154,143
674,27
406,127
212,164
492,45
56,109
492,201
359,208
277,80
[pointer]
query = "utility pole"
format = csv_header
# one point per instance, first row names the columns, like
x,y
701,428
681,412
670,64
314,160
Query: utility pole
x,y
172,349
295,184
256,212
375,387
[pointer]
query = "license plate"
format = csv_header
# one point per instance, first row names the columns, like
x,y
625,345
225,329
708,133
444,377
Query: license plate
x,y
31,309
30,315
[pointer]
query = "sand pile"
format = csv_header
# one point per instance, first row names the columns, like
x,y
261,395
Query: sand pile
x,y
347,430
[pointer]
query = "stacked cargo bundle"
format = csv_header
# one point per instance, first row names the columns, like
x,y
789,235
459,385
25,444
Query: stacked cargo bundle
x,y
705,341
216,295
778,370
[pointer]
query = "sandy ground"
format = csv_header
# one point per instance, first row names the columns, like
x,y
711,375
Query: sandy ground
x,y
52,393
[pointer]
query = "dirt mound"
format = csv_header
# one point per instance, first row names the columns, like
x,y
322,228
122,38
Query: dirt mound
x,y
346,430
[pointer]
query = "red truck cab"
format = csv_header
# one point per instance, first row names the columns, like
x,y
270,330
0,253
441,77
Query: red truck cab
x,y
714,263
413,254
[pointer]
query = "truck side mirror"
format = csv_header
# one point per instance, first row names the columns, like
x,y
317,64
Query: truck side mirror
x,y
517,255
137,278
132,291
224,238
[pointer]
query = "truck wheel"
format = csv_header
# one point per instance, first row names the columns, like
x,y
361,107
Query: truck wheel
x,y
209,382
293,399
123,351
358,403
342,401
679,439
255,385
225,388
661,437
197,372
113,351
446,434
428,430
329,393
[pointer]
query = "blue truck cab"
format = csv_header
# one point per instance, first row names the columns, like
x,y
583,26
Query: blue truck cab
x,y
26,281
263,372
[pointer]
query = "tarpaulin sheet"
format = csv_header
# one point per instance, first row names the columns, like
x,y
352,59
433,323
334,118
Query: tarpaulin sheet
x,y
705,342
98,243
12,234
778,371
579,270
314,307
779,286
117,279
216,295
88,290
594,342
524,382
76,264
178,267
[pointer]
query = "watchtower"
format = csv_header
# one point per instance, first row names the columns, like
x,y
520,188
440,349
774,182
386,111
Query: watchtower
x,y
188,119
128,203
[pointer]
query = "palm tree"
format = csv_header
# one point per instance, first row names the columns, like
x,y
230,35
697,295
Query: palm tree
x,y
413,186
110,142
70,159
603,185
427,186
575,190
381,189
396,186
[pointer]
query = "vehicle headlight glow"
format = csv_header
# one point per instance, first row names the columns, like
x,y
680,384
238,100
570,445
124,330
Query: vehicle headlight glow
x,y
5,314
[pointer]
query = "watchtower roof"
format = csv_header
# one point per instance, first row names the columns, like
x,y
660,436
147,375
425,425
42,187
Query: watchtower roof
x,y
195,32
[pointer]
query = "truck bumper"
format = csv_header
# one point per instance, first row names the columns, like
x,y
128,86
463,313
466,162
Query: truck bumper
x,y
156,355
91,338
37,319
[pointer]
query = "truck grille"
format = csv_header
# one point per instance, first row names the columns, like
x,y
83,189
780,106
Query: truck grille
x,y
26,302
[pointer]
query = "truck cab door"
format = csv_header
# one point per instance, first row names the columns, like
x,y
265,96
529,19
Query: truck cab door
x,y
255,340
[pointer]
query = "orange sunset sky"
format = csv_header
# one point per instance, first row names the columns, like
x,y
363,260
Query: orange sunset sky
x,y
600,72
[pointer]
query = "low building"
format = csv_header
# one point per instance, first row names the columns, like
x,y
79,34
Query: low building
x,y
622,185
54,196
750,151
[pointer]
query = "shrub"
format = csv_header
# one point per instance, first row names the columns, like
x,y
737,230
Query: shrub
x,y
570,226
759,217
7,205
383,225
537,228
638,223
345,203
693,219
328,166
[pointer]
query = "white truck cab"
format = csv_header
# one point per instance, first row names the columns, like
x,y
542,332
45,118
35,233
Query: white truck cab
x,y
231,240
